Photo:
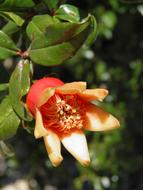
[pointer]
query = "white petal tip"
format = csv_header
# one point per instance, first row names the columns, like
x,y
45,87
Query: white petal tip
x,y
76,144
99,120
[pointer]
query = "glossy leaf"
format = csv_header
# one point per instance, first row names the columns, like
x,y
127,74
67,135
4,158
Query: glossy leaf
x,y
59,41
52,4
93,34
3,90
16,4
19,86
58,33
38,26
9,121
53,55
7,46
12,16
10,28
5,149
68,13
4,86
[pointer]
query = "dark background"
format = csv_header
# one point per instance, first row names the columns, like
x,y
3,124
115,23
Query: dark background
x,y
114,61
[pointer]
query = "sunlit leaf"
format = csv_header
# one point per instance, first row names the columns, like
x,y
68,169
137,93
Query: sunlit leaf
x,y
4,86
53,55
38,26
7,46
10,28
9,121
3,90
52,4
54,43
12,16
16,4
68,13
58,33
92,36
19,86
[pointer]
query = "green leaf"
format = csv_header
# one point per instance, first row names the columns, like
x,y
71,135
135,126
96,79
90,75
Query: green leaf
x,y
12,16
38,25
58,33
53,55
68,13
4,86
19,86
3,90
93,34
10,28
58,41
6,149
9,121
16,4
7,46
52,4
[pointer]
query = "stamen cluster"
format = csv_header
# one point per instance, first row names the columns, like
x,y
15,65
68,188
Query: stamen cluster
x,y
63,112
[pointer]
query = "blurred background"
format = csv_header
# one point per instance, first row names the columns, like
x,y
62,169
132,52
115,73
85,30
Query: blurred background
x,y
114,61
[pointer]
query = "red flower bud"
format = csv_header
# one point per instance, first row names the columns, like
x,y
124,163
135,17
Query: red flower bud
x,y
36,90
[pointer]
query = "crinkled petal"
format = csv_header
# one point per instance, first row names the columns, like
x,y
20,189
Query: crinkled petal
x,y
72,88
99,120
53,147
46,94
39,130
76,144
94,94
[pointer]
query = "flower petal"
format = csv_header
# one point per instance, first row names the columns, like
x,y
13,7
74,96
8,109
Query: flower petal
x,y
46,94
94,94
40,130
99,120
73,87
76,144
53,147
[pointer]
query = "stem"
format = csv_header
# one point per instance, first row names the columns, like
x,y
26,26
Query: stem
x,y
23,55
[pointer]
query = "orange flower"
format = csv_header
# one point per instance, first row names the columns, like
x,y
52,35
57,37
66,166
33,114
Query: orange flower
x,y
62,112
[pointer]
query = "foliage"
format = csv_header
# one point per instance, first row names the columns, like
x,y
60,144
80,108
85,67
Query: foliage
x,y
114,61
47,39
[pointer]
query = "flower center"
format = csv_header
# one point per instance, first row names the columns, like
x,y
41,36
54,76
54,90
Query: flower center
x,y
63,112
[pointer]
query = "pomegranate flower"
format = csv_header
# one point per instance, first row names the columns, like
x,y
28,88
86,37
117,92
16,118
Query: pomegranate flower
x,y
62,112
